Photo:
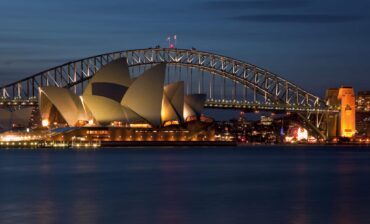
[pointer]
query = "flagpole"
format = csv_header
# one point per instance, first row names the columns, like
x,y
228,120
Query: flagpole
x,y
169,41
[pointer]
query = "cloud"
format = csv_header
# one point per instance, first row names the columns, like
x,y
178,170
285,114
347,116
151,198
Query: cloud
x,y
297,18
257,4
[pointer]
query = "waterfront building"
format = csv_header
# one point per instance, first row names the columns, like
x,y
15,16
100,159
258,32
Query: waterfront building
x,y
116,107
112,97
194,131
344,123
347,112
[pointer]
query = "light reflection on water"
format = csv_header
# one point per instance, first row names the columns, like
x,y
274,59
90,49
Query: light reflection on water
x,y
186,185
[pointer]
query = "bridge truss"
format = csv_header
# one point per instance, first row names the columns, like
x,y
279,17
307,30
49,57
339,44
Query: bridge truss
x,y
228,83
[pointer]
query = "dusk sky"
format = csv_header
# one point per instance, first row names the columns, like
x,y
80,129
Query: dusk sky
x,y
314,43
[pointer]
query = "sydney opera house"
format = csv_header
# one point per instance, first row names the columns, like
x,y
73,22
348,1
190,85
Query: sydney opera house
x,y
116,107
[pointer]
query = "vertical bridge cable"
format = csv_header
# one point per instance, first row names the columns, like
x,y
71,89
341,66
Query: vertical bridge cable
x,y
245,92
211,87
199,82
223,88
175,75
191,80
168,74
187,81
234,90
202,81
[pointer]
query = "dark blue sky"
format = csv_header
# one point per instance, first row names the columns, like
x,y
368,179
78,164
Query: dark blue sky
x,y
314,43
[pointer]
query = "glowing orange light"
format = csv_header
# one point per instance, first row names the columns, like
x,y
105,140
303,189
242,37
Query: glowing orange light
x,y
140,126
168,123
348,113
45,122
302,134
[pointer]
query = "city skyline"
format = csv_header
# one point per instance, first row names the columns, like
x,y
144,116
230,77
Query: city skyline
x,y
303,41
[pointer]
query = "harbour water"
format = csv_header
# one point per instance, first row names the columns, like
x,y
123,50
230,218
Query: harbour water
x,y
245,184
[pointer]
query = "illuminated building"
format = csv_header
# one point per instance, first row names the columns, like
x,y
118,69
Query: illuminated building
x,y
363,101
115,107
116,134
297,133
60,105
112,97
302,134
344,123
266,120
347,112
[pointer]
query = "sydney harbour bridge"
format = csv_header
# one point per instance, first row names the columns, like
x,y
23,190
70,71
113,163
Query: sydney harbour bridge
x,y
227,82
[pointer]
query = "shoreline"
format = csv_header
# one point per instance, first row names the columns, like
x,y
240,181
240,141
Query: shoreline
x,y
123,144
89,144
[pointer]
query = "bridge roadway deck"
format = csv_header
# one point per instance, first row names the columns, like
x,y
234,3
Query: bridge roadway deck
x,y
247,105
212,104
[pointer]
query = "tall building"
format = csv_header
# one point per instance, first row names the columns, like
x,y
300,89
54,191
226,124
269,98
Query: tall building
x,y
347,112
344,123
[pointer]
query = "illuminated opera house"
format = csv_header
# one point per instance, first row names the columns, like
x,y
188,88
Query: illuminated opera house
x,y
116,107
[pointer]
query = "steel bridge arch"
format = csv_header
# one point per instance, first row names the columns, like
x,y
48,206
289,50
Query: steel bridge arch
x,y
265,83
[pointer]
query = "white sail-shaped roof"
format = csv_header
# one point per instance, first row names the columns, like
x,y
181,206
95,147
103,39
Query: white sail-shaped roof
x,y
174,92
168,113
105,110
66,102
145,94
194,105
111,81
132,117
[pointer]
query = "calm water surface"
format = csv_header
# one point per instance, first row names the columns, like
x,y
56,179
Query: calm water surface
x,y
297,185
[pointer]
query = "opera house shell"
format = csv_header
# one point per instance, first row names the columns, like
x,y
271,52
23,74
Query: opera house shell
x,y
113,97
